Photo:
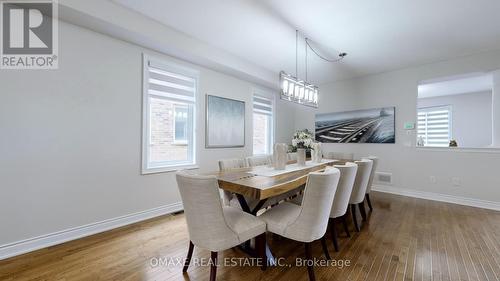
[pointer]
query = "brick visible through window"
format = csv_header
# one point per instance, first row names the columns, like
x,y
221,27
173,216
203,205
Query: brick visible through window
x,y
169,101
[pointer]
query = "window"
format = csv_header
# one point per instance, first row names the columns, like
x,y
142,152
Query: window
x,y
180,124
262,125
434,126
169,110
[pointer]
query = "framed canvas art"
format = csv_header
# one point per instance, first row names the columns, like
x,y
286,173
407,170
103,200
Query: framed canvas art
x,y
225,122
360,126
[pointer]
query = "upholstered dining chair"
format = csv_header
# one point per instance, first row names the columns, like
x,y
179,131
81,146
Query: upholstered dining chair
x,y
308,222
370,182
259,160
359,189
212,226
235,163
341,201
230,164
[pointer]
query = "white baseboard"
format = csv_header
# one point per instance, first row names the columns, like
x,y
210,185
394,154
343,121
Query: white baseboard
x,y
438,197
40,242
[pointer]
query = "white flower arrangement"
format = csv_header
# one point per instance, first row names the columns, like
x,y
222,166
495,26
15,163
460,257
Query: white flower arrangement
x,y
302,139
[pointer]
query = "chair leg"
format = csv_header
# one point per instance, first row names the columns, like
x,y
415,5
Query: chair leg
x,y
310,268
353,213
367,196
333,233
213,266
188,258
346,227
260,246
325,247
362,210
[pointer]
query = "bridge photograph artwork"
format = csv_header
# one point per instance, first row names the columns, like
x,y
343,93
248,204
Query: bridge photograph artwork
x,y
359,126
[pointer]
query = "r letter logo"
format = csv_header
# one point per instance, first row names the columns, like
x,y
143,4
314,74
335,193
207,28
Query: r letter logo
x,y
29,34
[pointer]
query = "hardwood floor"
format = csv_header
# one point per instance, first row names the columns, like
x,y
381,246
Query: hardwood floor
x,y
403,239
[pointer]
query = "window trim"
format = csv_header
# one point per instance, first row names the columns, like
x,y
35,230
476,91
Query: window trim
x,y
167,65
265,95
450,121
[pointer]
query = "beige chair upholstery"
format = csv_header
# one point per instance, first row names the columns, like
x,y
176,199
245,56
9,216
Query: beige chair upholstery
x,y
372,173
258,160
361,182
359,189
340,204
210,225
370,182
341,201
228,164
308,222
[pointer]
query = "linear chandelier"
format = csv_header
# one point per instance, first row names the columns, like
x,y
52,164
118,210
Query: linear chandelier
x,y
300,91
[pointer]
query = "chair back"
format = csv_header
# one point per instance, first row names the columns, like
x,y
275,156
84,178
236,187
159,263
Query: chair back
x,y
372,174
228,164
203,209
339,155
319,192
361,182
343,194
292,156
261,160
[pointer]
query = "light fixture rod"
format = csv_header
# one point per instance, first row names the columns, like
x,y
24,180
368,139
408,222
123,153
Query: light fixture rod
x,y
341,55
296,52
305,46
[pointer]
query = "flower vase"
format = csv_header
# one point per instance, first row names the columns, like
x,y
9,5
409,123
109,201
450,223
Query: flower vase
x,y
301,156
316,153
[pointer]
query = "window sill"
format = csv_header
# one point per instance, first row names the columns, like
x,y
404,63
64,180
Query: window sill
x,y
176,168
460,149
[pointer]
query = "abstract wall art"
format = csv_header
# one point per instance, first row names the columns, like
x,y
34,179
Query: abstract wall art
x,y
225,122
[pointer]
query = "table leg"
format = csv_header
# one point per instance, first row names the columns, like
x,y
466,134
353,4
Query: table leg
x,y
258,206
246,246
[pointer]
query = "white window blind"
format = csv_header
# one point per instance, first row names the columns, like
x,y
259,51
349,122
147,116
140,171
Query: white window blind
x,y
170,85
169,110
434,126
262,105
262,125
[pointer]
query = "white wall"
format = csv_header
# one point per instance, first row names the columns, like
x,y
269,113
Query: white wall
x,y
471,116
496,108
411,166
70,141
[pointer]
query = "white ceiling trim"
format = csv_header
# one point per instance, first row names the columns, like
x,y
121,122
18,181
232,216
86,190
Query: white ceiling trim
x,y
456,85
117,21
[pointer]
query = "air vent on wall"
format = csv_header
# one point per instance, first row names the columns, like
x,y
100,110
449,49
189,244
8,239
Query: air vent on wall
x,y
385,178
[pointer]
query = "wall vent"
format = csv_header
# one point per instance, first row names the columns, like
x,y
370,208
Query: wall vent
x,y
385,178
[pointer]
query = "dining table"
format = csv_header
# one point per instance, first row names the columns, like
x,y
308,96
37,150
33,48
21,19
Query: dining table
x,y
264,182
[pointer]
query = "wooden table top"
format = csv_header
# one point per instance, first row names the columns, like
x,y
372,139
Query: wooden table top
x,y
244,181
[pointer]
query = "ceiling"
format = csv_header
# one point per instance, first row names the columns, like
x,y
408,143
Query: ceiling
x,y
457,85
378,36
